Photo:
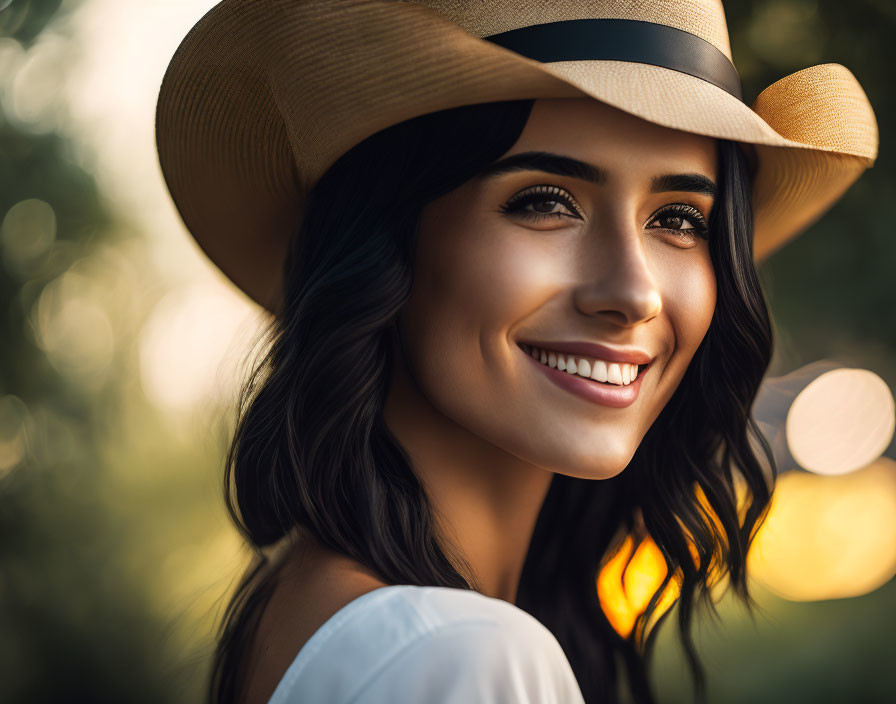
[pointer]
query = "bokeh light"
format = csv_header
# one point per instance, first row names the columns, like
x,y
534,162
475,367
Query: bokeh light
x,y
843,420
35,97
627,582
825,417
13,413
829,537
191,343
27,231
72,327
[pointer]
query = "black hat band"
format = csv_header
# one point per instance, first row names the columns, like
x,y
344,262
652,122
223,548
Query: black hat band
x,y
623,40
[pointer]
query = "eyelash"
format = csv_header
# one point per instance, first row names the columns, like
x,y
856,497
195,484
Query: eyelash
x,y
539,194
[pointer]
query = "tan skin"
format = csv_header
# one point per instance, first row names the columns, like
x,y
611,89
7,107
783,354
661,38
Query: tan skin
x,y
486,431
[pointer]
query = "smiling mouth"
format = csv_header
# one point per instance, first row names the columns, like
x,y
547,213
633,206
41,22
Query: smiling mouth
x,y
599,371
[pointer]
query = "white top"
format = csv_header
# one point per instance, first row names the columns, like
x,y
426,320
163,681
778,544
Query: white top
x,y
405,644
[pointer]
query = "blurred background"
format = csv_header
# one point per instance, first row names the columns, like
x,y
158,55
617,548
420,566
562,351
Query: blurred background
x,y
121,349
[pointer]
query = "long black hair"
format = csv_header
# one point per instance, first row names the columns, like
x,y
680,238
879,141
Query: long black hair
x,y
311,449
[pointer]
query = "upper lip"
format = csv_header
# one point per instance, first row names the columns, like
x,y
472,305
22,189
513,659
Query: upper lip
x,y
593,349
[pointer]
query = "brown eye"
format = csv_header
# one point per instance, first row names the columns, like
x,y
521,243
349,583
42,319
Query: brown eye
x,y
544,201
675,222
681,218
543,205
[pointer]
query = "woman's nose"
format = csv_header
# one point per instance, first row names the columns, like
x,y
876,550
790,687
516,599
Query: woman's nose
x,y
617,282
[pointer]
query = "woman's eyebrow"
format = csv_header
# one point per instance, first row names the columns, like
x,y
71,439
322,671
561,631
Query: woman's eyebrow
x,y
692,183
567,166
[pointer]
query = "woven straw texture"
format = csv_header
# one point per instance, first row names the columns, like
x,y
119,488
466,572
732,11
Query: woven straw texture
x,y
262,96
705,19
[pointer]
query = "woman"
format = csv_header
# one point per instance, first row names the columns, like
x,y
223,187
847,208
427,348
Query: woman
x,y
511,330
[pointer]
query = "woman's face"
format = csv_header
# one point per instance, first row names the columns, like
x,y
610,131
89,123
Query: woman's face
x,y
609,253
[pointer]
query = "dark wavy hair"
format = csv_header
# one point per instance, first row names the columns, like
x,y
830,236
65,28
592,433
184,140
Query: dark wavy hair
x,y
311,448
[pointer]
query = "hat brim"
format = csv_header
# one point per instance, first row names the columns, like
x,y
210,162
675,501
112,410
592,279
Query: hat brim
x,y
261,98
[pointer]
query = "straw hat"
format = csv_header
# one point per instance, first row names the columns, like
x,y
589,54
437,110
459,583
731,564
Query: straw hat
x,y
262,96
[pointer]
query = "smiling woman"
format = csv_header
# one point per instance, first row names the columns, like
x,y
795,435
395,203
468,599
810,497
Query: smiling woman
x,y
522,254
509,249
432,449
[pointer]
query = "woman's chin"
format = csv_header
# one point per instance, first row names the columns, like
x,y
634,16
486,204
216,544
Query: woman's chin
x,y
605,464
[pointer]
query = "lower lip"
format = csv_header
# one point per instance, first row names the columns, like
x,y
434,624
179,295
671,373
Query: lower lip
x,y
604,394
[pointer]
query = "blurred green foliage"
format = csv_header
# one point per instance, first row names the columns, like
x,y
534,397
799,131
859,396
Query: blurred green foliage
x,y
78,538
23,21
108,504
831,290
74,625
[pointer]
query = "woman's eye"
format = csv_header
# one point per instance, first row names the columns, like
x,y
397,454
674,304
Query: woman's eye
x,y
681,219
544,202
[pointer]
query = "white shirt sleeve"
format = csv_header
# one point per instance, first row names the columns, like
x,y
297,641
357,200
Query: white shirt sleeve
x,y
482,662
405,644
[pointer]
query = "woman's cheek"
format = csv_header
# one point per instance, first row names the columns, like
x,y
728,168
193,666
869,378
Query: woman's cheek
x,y
490,275
689,300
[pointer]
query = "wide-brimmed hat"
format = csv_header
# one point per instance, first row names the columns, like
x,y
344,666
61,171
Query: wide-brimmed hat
x,y
262,96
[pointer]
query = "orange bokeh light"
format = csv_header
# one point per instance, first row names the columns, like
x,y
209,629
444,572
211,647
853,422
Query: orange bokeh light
x,y
625,592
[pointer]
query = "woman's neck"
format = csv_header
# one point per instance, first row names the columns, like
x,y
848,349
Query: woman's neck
x,y
486,501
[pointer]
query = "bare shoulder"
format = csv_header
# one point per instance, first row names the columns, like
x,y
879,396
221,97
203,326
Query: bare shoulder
x,y
313,584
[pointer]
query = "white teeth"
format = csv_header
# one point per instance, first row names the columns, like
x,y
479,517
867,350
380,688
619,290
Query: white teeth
x,y
583,368
614,374
617,373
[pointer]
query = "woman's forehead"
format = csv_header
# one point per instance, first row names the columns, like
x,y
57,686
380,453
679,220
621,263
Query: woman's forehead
x,y
612,139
